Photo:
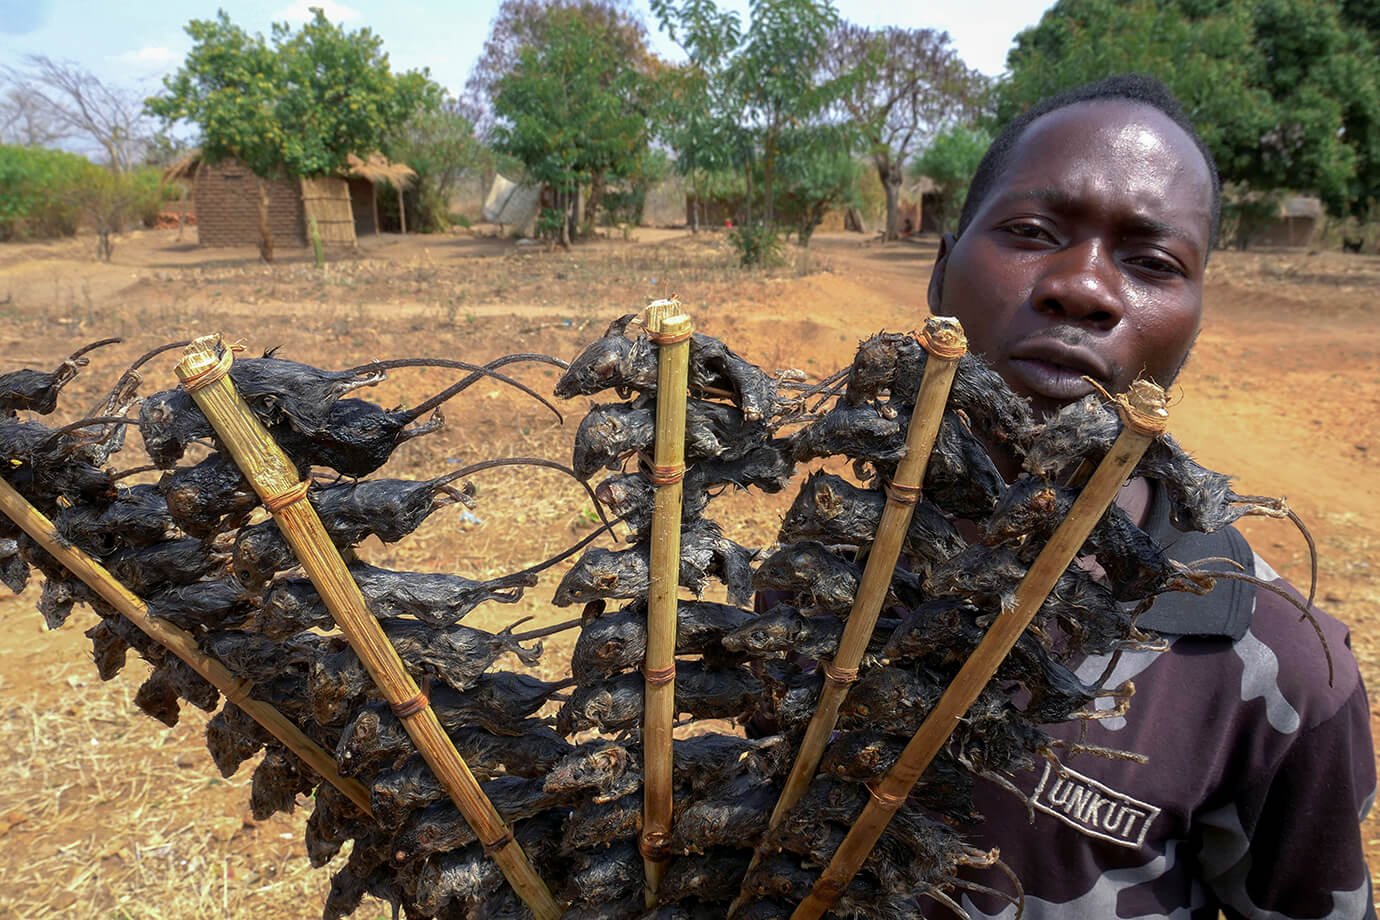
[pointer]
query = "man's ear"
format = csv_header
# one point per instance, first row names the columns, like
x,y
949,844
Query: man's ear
x,y
941,262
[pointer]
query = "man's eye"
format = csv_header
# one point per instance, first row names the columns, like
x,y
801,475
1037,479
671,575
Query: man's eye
x,y
1157,265
1026,230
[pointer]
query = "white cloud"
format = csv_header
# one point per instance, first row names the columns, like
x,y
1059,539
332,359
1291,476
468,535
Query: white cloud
x,y
300,12
147,57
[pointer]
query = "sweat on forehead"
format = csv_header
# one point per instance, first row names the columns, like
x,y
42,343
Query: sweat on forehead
x,y
1131,88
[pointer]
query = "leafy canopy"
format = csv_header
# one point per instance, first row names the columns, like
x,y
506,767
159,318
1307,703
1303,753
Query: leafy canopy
x,y
1285,92
574,105
297,103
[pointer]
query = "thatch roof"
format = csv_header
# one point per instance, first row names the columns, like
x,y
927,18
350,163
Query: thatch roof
x,y
184,167
376,168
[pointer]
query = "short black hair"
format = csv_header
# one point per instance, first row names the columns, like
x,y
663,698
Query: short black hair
x,y
1133,87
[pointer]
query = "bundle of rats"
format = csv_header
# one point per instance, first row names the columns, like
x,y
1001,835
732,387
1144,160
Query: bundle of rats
x,y
200,551
562,759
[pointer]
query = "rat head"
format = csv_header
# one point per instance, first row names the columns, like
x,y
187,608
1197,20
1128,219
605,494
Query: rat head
x,y
1083,244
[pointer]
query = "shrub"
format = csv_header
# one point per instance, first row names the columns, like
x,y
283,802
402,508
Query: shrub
x,y
756,244
39,191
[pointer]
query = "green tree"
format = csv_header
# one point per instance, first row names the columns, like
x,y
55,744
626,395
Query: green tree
x,y
297,105
776,75
949,162
818,173
439,142
573,110
1285,92
904,86
693,109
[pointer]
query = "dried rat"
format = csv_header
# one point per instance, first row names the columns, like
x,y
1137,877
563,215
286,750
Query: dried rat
x,y
616,642
232,737
146,570
37,391
470,873
618,362
833,511
604,876
616,704
610,433
784,630
209,498
138,516
434,598
823,581
735,815
218,603
704,552
439,827
896,362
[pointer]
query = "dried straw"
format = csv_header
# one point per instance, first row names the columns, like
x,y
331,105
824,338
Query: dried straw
x,y
671,329
1143,411
178,641
205,374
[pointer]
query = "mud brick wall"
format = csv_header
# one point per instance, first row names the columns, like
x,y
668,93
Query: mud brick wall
x,y
227,207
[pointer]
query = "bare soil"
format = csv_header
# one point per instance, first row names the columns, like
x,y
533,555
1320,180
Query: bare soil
x,y
106,813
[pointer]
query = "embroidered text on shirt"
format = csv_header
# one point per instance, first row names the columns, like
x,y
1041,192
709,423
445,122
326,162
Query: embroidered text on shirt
x,y
1092,808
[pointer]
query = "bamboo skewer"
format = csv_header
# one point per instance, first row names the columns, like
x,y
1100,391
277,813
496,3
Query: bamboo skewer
x,y
670,328
944,341
204,373
177,641
1145,417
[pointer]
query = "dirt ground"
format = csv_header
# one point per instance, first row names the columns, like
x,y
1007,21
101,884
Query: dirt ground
x,y
106,813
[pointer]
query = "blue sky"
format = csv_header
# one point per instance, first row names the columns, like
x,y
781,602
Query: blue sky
x,y
134,43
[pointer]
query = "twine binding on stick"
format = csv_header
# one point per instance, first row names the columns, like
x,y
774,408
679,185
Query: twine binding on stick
x,y
491,848
667,475
839,675
901,494
204,378
670,338
657,677
276,503
408,708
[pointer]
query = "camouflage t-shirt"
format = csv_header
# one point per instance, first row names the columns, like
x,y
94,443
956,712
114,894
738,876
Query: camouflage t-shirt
x,y
1258,771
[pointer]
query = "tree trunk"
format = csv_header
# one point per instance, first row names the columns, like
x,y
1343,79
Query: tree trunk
x,y
265,231
694,201
596,197
890,174
567,215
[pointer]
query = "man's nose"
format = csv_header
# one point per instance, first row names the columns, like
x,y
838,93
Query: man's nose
x,y
1079,283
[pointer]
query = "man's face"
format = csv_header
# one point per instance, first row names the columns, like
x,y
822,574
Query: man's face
x,y
1086,258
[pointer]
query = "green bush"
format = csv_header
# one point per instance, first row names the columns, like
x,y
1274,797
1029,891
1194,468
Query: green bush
x,y
47,193
756,244
40,191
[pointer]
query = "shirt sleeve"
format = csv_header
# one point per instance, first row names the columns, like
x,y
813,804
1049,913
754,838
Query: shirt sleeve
x,y
1289,845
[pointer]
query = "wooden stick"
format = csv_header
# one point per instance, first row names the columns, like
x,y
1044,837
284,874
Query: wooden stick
x,y
1145,417
177,641
205,374
943,339
670,329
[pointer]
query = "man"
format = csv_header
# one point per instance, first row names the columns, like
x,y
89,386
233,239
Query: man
x,y
1081,252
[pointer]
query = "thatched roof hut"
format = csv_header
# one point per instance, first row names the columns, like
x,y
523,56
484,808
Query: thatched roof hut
x,y
342,207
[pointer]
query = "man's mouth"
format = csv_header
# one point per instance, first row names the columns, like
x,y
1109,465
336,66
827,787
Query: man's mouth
x,y
1054,370
1050,380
